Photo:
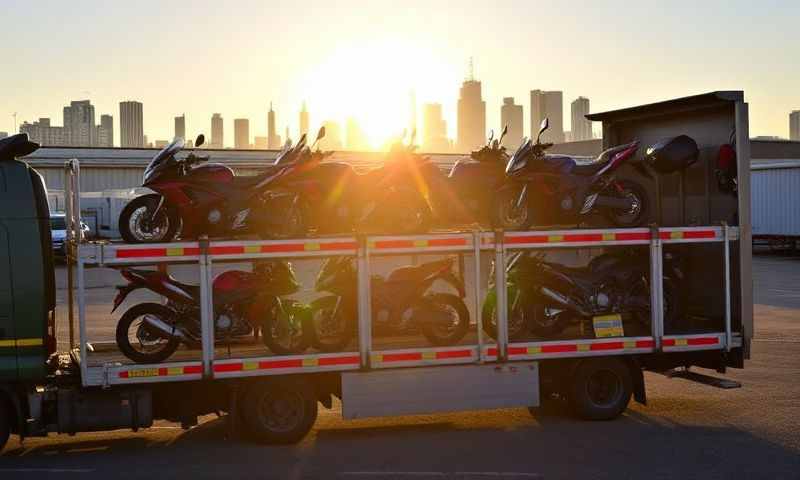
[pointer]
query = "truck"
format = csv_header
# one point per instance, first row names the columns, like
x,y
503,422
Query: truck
x,y
776,194
86,386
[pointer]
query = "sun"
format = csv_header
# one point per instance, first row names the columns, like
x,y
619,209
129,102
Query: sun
x,y
372,82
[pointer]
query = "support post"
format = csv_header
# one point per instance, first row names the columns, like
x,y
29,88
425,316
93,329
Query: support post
x,y
364,304
656,287
501,292
206,309
476,251
727,286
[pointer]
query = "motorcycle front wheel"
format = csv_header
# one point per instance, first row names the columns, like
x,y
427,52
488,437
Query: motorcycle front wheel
x,y
137,342
285,328
506,214
137,225
330,326
518,321
637,213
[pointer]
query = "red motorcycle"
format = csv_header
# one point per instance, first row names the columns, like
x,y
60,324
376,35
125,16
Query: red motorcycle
x,y
545,189
244,303
209,199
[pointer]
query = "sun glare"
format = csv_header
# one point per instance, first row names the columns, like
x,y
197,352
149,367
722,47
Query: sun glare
x,y
373,84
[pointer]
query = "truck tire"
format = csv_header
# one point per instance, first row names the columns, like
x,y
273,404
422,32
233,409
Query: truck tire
x,y
601,389
5,422
279,411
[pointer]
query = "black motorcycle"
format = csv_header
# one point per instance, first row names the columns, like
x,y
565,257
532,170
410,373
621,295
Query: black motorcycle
x,y
544,189
545,297
244,303
401,302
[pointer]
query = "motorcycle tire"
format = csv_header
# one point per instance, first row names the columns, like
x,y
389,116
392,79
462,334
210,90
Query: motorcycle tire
x,y
434,334
149,202
519,322
504,203
330,343
275,327
639,215
123,341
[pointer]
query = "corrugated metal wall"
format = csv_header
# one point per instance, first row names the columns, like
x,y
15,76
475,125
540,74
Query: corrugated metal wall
x,y
775,201
94,179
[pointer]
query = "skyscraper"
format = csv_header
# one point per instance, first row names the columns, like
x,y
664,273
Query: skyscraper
x,y
581,126
471,116
44,134
217,132
303,121
79,124
241,133
434,129
549,105
511,116
794,126
273,139
180,126
105,131
131,124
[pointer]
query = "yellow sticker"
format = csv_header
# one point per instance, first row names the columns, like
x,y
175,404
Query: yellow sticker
x,y
429,355
584,347
175,371
420,243
676,235
175,252
555,238
252,249
310,362
312,246
250,366
534,350
145,372
609,236
681,342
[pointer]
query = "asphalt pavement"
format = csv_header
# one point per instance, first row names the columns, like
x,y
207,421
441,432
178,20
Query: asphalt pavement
x,y
687,430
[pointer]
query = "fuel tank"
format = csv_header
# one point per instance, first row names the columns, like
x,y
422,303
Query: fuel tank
x,y
211,172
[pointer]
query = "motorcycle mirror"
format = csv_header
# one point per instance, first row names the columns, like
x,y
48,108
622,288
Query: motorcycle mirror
x,y
491,136
503,134
201,139
320,134
542,127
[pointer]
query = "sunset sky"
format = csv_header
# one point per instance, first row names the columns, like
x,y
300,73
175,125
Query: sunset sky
x,y
361,59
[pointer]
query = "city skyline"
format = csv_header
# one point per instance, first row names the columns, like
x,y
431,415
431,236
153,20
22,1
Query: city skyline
x,y
364,68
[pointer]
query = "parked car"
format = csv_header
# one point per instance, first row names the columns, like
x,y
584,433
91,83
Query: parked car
x,y
58,227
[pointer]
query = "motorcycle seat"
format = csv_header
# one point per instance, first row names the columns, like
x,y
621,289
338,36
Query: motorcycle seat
x,y
193,290
597,164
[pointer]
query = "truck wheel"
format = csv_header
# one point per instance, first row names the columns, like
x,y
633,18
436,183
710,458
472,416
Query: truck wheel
x,y
5,422
601,389
279,411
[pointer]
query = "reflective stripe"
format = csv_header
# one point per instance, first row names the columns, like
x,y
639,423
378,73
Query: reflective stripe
x,y
21,342
281,363
161,371
427,355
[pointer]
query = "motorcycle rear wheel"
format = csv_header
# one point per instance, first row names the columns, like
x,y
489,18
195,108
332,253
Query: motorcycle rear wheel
x,y
637,214
151,348
330,332
133,225
443,336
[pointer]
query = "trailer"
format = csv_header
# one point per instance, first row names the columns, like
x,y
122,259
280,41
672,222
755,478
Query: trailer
x,y
776,203
596,367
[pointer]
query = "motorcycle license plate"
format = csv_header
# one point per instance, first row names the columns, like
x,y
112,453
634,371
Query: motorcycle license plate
x,y
608,326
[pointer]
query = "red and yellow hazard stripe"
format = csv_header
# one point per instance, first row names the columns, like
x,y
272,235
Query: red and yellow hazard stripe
x,y
160,252
161,371
688,234
285,363
575,347
382,358
691,341
391,244
542,238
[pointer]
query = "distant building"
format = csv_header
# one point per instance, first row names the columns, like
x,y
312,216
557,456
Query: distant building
x,y
241,133
333,136
105,131
794,126
217,132
273,139
471,116
303,120
548,105
511,116
260,143
355,139
131,125
434,129
43,133
79,124
581,126
180,126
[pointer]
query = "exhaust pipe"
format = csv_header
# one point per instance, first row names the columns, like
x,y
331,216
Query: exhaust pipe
x,y
158,326
563,301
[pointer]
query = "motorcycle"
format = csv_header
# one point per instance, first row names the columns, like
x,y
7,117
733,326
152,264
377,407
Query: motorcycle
x,y
209,199
545,297
244,303
401,303
551,189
